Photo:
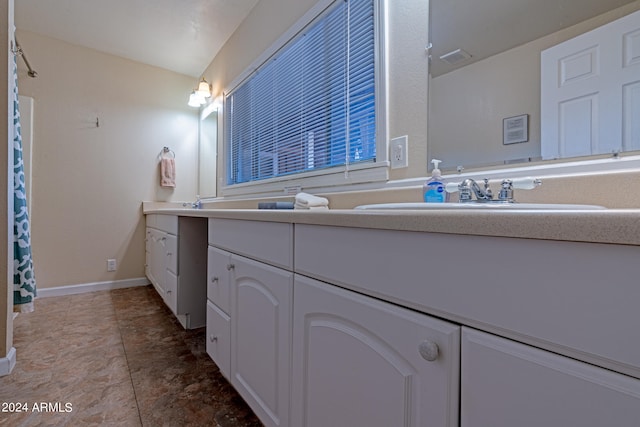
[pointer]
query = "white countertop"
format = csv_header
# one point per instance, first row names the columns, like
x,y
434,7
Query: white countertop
x,y
613,226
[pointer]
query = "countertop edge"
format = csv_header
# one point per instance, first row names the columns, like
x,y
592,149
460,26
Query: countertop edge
x,y
612,226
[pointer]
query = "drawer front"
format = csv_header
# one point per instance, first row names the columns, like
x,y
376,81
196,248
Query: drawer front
x,y
152,220
218,281
171,252
269,242
219,338
576,299
171,292
534,388
167,223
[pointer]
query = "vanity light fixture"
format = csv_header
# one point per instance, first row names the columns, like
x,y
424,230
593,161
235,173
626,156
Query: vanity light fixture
x,y
204,89
200,95
196,100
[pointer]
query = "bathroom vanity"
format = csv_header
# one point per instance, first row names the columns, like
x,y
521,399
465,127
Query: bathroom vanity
x,y
473,318
175,263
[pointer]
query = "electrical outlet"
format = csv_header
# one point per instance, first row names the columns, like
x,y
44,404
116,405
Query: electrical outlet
x,y
111,265
398,148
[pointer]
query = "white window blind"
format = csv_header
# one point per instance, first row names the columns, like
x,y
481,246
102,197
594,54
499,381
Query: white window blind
x,y
311,105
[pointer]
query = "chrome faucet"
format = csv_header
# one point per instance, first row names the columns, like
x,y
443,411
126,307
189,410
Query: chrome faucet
x,y
195,205
468,187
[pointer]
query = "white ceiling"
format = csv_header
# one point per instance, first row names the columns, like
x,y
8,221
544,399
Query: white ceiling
x,y
177,35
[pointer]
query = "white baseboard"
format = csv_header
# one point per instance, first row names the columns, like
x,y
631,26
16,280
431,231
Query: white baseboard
x,y
7,363
92,287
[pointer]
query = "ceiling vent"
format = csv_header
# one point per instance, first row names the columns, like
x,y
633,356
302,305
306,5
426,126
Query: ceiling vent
x,y
456,56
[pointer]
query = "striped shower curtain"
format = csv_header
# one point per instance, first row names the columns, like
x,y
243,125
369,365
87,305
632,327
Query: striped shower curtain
x,y
24,282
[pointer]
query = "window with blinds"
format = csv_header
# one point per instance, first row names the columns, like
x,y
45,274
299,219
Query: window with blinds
x,y
311,105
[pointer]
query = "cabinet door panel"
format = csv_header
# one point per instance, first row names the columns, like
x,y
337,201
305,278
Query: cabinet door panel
x,y
171,253
505,384
218,289
261,336
171,291
148,248
156,260
218,338
357,362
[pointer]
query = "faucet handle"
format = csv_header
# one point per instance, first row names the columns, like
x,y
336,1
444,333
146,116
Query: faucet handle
x,y
526,183
452,187
506,190
487,189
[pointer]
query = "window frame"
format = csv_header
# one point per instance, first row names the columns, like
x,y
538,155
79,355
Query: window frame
x,y
334,178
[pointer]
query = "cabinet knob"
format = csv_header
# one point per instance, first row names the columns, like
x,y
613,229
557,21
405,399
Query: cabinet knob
x,y
213,338
231,266
429,350
214,279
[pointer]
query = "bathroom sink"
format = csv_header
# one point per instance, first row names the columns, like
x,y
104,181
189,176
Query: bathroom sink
x,y
475,205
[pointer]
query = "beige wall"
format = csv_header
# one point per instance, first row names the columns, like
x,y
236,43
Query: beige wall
x,y
88,181
467,105
406,58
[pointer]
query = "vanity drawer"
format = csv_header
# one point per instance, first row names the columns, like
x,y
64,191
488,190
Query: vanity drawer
x,y
270,242
573,298
533,388
219,338
166,223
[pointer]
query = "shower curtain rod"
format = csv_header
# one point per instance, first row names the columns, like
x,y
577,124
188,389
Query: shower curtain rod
x,y
18,51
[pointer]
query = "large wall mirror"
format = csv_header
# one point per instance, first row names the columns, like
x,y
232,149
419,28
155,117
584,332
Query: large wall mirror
x,y
207,151
485,68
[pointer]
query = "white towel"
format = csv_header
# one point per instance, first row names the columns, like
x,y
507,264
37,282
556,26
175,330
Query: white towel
x,y
307,201
167,172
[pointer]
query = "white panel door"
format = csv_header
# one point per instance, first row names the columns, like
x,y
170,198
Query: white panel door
x,y
507,384
358,361
589,92
261,309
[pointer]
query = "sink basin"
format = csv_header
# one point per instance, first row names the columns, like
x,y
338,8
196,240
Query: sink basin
x,y
474,205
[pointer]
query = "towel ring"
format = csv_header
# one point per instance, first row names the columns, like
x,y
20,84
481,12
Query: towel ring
x,y
166,151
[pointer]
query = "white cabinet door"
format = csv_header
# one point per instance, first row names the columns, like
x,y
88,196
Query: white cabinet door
x,y
157,260
171,291
358,361
261,302
506,384
218,282
218,343
148,248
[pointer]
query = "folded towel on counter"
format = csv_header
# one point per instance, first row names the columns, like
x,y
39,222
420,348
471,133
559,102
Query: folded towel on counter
x,y
167,172
307,201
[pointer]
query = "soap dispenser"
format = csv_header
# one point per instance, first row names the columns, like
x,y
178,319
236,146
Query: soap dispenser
x,y
433,189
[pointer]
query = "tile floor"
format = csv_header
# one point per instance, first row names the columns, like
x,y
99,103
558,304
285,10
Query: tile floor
x,y
115,358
